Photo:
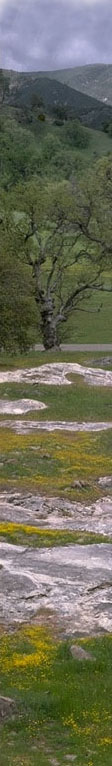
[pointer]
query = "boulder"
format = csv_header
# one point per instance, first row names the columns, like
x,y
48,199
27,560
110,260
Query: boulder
x,y
80,654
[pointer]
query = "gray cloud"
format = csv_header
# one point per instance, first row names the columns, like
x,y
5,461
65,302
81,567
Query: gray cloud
x,y
50,34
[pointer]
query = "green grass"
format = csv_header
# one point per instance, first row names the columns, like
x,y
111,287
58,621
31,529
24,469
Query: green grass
x,y
63,704
90,327
51,462
21,534
35,358
76,402
57,461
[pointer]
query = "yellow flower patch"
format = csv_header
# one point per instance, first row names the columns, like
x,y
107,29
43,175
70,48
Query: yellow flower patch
x,y
39,650
72,723
106,741
70,456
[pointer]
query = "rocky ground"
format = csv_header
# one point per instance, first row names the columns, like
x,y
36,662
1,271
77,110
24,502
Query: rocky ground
x,y
57,513
55,565
74,581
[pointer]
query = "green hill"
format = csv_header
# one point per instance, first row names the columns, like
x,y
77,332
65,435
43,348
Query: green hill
x,y
95,80
79,105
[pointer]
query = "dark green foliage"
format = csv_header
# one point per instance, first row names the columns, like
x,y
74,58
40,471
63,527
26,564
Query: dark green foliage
x,y
36,101
60,113
18,153
4,86
34,147
108,128
17,310
41,117
76,134
17,306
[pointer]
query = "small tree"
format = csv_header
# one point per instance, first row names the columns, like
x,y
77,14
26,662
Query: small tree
x,y
36,101
37,107
60,114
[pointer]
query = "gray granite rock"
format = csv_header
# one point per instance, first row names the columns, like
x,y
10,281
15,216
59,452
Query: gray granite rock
x,y
80,654
74,582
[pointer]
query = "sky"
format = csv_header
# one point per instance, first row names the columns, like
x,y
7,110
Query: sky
x,y
53,34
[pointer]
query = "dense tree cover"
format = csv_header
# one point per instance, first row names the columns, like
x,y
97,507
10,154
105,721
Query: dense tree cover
x,y
46,152
19,155
4,86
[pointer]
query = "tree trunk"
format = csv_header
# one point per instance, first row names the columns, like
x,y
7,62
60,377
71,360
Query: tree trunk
x,y
49,333
49,327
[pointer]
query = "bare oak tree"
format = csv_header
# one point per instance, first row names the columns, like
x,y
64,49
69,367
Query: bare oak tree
x,y
68,243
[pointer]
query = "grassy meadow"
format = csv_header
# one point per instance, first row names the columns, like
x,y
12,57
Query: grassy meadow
x,y
62,705
76,402
51,463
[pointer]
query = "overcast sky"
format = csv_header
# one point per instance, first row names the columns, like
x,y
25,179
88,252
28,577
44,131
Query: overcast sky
x,y
52,34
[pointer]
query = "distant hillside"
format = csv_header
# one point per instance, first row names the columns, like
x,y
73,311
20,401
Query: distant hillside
x,y
91,112
95,80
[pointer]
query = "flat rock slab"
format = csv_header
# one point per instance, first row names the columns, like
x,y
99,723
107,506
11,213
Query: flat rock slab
x,y
18,407
30,426
75,581
70,757
54,762
105,482
56,512
57,374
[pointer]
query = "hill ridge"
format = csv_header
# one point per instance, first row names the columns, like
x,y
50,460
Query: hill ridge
x,y
88,110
